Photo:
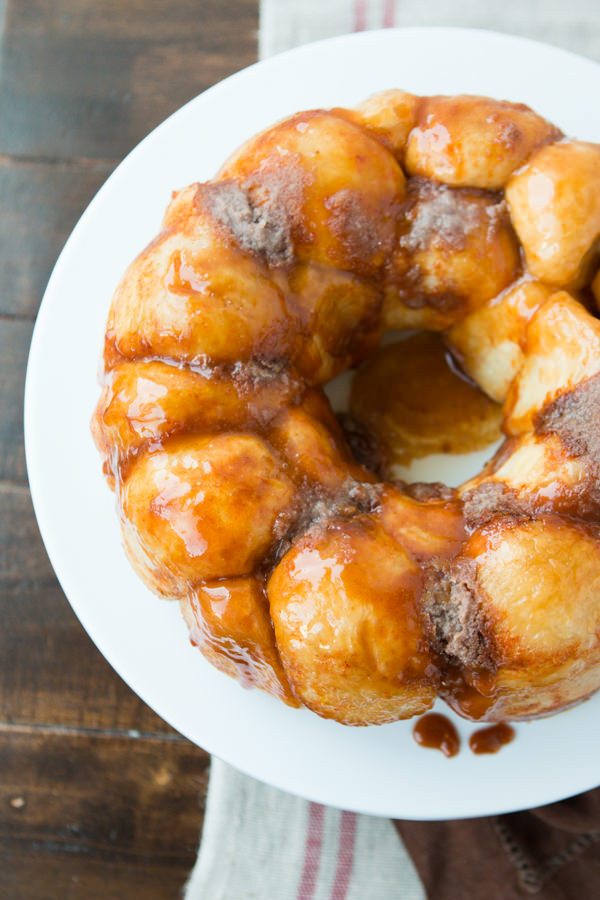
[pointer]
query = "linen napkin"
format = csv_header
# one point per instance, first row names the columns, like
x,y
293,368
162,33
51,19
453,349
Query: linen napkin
x,y
259,843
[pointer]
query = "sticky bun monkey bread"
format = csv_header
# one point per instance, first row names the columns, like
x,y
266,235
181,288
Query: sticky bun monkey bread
x,y
300,569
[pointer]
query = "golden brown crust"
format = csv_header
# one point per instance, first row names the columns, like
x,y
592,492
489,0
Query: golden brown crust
x,y
229,621
389,116
297,570
474,141
341,214
349,634
561,349
555,206
191,500
489,342
526,591
437,273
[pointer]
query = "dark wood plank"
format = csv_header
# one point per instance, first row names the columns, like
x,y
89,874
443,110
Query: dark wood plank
x,y
50,671
88,79
45,200
88,817
39,630
98,797
15,337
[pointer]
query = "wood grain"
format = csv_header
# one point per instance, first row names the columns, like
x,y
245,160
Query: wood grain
x,y
97,817
88,79
45,199
50,671
99,798
15,337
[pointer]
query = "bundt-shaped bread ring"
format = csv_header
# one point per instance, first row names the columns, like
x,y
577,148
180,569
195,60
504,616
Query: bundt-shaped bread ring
x,y
297,569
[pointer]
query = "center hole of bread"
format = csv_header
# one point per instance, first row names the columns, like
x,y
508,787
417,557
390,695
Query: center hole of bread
x,y
411,415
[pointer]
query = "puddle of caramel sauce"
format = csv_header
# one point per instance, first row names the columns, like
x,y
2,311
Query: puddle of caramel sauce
x,y
437,732
492,738
416,402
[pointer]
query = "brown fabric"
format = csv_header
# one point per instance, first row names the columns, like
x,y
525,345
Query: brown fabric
x,y
550,853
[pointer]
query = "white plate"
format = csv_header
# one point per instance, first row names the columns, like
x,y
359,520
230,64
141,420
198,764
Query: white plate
x,y
378,770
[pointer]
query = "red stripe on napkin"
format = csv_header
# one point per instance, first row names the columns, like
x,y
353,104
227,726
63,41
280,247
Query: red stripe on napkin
x,y
345,856
312,852
389,13
360,15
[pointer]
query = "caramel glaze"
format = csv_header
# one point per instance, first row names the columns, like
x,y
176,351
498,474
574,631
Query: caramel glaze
x,y
237,491
417,403
492,738
470,692
438,733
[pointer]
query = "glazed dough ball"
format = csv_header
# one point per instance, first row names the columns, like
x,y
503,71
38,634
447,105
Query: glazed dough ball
x,y
532,474
229,621
338,317
326,185
192,297
146,401
489,342
562,349
456,251
529,596
203,508
344,608
389,116
474,141
309,439
432,529
555,207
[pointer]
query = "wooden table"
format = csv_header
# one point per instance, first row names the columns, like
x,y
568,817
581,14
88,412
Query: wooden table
x,y
98,797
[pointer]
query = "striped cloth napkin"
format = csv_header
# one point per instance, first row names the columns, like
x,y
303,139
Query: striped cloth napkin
x,y
259,843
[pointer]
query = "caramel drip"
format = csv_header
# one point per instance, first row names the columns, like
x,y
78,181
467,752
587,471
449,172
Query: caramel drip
x,y
469,693
492,738
437,732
